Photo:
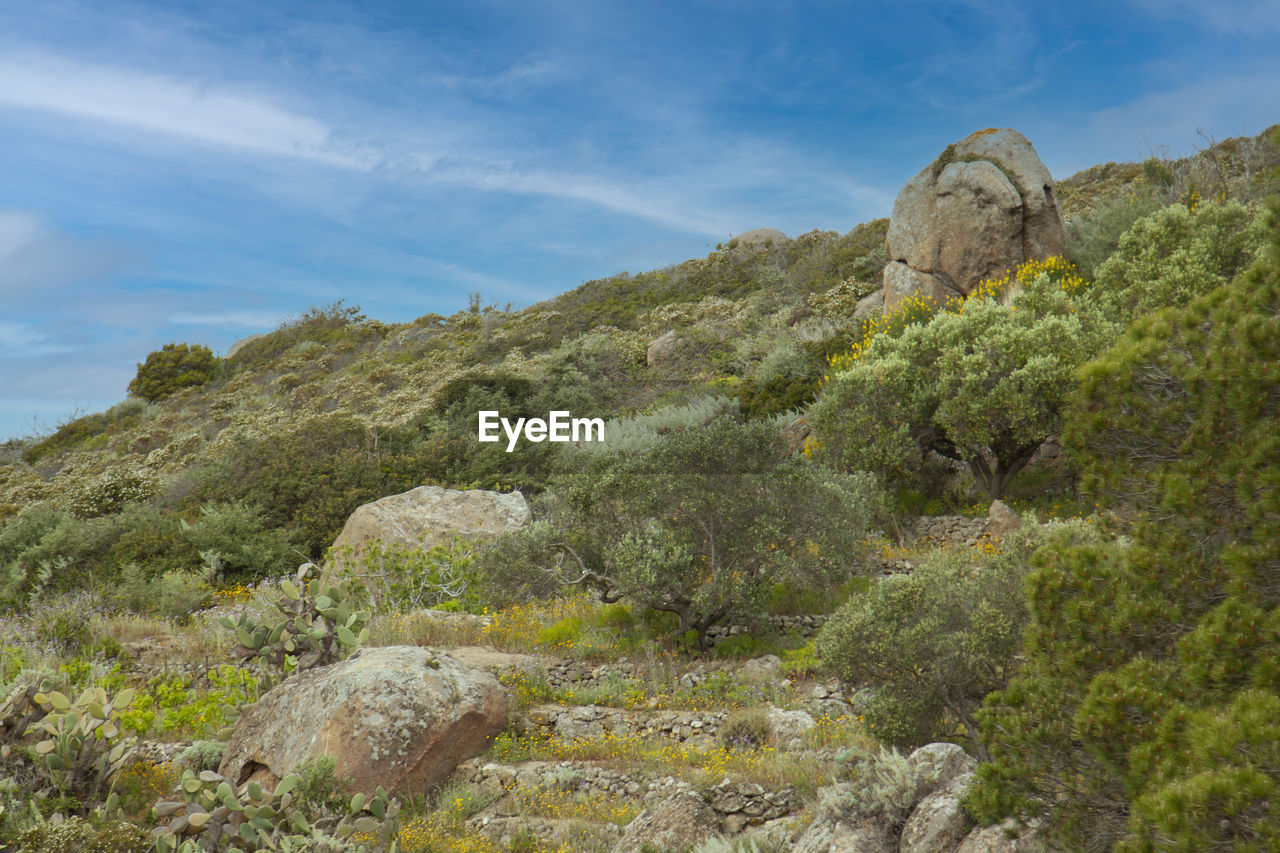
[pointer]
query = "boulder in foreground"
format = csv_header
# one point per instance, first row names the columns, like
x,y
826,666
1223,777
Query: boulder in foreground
x,y
398,717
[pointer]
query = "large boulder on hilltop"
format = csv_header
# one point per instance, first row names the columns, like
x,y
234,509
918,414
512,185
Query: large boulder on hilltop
x,y
984,206
424,517
398,717
241,344
760,237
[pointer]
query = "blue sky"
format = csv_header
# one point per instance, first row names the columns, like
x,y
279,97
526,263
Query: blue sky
x,y
200,171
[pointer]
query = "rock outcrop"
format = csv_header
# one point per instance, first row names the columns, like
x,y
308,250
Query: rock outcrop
x,y
760,237
984,206
939,775
938,822
424,517
241,344
1002,838
679,822
1002,520
398,717
663,349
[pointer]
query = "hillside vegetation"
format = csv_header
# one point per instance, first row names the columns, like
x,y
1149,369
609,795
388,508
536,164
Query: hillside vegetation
x,y
1112,664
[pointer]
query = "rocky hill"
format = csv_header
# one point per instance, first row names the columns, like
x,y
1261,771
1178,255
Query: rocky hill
x,y
779,610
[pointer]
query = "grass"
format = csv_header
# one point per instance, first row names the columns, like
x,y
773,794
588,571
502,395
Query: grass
x,y
443,828
423,629
701,765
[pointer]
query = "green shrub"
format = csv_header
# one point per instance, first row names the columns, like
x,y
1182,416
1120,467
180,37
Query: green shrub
x,y
245,548
803,662
110,492
765,397
329,326
203,755
82,432
1143,711
173,368
309,480
562,634
394,578
616,616
177,594
1176,254
739,646
934,642
1096,235
882,788
319,786
701,524
984,383
152,542
442,439
746,728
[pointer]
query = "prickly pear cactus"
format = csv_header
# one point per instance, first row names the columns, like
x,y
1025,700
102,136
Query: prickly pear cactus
x,y
316,623
215,816
81,743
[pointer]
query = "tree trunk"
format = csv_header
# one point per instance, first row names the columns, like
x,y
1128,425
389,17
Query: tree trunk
x,y
996,482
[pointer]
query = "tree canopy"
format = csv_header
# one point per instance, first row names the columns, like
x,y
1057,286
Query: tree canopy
x,y
172,368
1145,711
702,523
981,382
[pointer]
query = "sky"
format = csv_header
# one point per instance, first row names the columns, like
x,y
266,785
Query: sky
x,y
200,172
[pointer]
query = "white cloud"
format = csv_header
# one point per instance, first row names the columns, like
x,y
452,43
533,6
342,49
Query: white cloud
x,y
1222,107
215,115
252,319
170,105
21,339
470,150
35,258
18,228
1234,17
654,204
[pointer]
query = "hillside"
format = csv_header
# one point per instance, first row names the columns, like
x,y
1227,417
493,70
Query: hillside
x,y
788,572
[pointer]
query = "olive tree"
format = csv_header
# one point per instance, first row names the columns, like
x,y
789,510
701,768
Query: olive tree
x,y
700,525
983,383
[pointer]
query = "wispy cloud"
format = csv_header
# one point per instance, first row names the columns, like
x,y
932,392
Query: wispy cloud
x,y
18,228
466,153
21,339
1232,17
196,110
35,257
645,201
980,53
251,319
1221,106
